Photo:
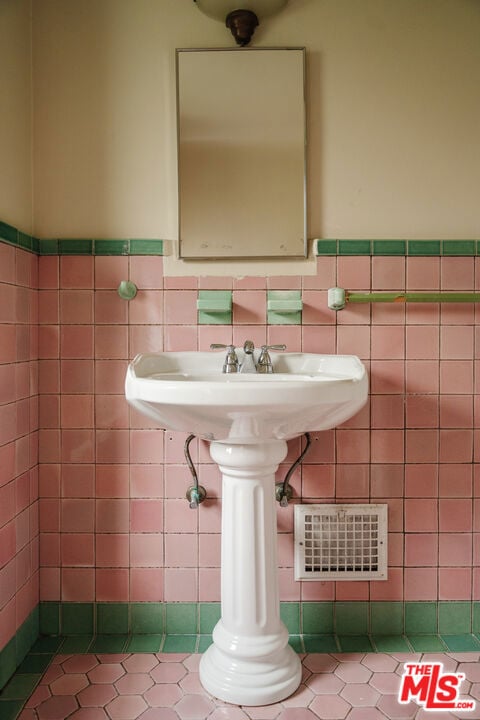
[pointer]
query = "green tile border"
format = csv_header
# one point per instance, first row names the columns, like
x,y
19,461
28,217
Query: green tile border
x,y
317,618
321,644
10,709
376,618
459,247
420,617
112,247
314,627
16,650
398,247
101,246
389,247
13,236
112,619
427,643
145,643
391,643
387,618
323,626
75,619
146,618
352,618
354,247
454,618
461,643
156,246
355,644
80,246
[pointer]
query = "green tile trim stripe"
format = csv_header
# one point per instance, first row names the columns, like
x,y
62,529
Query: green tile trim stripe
x,y
84,246
377,619
79,246
13,654
186,627
72,619
459,248
13,236
154,246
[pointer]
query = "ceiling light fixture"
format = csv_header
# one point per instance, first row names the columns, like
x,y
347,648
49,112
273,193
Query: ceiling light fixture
x,y
242,20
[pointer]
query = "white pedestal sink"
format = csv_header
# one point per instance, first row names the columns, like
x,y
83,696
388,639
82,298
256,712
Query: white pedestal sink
x,y
248,418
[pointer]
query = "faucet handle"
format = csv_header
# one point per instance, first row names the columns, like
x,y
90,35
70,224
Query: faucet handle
x,y
264,364
274,347
231,360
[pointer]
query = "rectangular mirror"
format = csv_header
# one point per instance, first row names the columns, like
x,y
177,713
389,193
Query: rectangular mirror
x,y
241,153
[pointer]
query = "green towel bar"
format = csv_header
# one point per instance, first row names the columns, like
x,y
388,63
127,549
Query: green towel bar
x,y
338,297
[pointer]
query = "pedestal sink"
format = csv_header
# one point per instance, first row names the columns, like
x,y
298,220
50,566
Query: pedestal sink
x,y
248,418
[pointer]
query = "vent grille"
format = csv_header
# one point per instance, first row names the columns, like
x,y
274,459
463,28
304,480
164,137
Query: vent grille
x,y
341,542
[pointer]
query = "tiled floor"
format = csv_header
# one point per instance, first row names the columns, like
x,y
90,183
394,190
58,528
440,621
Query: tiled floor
x,y
165,686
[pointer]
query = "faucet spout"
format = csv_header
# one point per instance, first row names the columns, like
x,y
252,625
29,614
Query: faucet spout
x,y
248,364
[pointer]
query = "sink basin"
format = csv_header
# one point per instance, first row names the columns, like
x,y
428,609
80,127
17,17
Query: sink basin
x,y
187,391
247,418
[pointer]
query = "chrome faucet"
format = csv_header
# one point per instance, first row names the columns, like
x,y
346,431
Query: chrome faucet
x,y
232,364
231,360
264,364
248,364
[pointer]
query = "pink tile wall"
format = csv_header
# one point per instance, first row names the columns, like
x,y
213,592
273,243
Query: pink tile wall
x,y
114,521
19,533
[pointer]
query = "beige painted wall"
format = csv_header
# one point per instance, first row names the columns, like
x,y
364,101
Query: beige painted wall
x,y
393,114
15,114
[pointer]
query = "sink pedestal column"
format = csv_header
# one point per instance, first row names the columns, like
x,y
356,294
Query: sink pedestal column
x,y
250,661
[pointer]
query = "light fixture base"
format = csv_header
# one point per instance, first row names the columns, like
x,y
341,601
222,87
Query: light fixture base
x,y
242,20
242,24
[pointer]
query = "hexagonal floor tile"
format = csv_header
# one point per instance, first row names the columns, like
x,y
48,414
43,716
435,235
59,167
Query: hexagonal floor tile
x,y
140,663
319,663
79,664
57,708
191,684
126,707
352,672
263,712
194,707
228,713
96,695
360,695
152,714
385,683
392,709
106,673
137,686
163,695
325,684
330,707
471,671
69,684
89,714
297,714
302,697
366,713
168,672
379,662
134,684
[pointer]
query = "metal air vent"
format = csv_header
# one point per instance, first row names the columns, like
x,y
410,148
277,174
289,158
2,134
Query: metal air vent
x,y
341,542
